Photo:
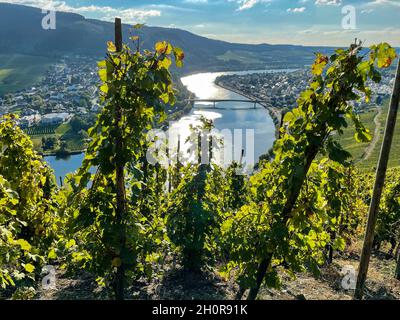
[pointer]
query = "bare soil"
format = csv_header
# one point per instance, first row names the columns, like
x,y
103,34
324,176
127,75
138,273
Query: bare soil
x,y
177,284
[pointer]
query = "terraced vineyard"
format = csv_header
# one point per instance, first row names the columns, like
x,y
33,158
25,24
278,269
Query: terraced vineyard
x,y
21,71
41,130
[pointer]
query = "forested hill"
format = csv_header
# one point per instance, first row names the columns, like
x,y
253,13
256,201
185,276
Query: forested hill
x,y
21,32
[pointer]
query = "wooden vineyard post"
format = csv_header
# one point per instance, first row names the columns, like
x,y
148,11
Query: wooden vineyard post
x,y
281,124
120,179
397,273
378,187
177,178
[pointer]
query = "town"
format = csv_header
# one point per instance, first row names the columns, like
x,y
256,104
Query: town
x,y
281,89
68,88
57,111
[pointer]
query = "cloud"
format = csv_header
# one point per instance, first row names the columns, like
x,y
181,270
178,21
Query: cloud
x,y
296,10
248,4
383,3
31,3
390,35
169,7
107,13
367,11
328,2
195,1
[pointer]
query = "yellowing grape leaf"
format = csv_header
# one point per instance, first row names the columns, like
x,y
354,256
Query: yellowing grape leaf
x,y
163,47
24,244
319,64
111,47
52,254
103,75
29,268
70,243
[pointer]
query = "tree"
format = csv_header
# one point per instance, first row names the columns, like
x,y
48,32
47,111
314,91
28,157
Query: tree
x,y
380,173
63,149
83,134
78,123
37,102
190,222
9,98
275,224
388,222
27,206
112,234
49,143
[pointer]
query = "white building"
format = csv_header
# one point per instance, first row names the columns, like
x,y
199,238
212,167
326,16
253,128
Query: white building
x,y
29,121
55,118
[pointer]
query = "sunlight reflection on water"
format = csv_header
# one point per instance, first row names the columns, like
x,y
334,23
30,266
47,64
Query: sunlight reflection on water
x,y
203,86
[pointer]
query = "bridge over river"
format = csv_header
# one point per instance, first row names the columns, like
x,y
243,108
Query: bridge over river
x,y
214,103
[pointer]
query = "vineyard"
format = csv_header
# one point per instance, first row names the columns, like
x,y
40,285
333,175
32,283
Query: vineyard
x,y
132,223
41,130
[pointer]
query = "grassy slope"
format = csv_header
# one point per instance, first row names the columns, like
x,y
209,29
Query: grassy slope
x,y
348,141
21,71
394,160
358,149
64,131
243,57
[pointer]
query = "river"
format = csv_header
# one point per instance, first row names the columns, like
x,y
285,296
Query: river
x,y
65,165
203,86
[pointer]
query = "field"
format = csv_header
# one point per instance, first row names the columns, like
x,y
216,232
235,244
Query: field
x,y
366,155
41,130
64,132
240,56
394,159
348,141
18,72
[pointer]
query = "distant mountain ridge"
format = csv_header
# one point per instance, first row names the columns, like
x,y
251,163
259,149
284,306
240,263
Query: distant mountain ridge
x,y
21,32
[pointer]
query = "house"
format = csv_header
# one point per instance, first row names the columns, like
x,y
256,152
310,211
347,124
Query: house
x,y
29,112
95,108
81,110
55,118
18,98
29,121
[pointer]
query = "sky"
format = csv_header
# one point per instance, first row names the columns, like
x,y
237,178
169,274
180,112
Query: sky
x,y
304,22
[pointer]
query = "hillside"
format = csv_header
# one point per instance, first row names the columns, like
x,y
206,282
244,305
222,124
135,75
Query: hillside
x,y
77,35
142,218
21,71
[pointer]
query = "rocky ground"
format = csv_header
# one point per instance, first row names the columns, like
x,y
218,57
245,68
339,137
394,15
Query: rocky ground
x,y
177,284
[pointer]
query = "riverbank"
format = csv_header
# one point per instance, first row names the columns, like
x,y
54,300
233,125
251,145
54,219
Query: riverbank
x,y
204,87
63,155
